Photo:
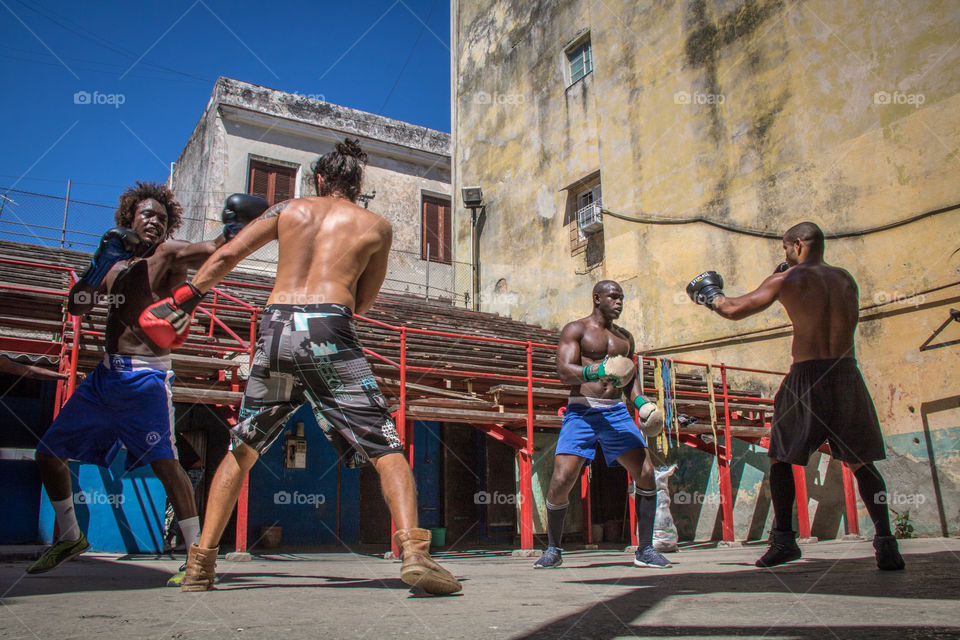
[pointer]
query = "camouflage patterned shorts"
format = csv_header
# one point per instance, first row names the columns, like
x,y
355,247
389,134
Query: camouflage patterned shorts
x,y
310,353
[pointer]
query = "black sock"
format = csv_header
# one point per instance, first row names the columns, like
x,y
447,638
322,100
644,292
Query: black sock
x,y
873,492
555,516
783,493
646,502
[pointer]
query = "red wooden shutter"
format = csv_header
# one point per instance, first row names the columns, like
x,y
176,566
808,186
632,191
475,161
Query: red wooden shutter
x,y
259,179
283,185
436,230
272,183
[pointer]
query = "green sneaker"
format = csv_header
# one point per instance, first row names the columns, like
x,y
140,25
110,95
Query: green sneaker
x,y
177,578
59,553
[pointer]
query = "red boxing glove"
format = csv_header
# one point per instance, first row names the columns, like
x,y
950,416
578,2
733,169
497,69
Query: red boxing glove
x,y
164,322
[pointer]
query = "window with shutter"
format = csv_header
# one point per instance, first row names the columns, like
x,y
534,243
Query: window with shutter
x,y
272,182
580,60
436,230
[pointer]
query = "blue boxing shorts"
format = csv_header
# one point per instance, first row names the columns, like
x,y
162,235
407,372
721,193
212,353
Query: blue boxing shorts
x,y
125,400
609,423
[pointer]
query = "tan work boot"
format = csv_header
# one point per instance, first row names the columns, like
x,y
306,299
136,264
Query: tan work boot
x,y
201,569
419,569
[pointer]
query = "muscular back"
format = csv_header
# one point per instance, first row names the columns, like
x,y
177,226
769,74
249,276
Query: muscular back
x,y
331,251
823,304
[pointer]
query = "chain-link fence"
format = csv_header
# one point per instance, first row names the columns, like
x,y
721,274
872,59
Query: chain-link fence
x,y
59,221
409,273
53,221
46,220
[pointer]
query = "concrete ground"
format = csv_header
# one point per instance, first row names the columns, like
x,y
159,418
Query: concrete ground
x,y
834,592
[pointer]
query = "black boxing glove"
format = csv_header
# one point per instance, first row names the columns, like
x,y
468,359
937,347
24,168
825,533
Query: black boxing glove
x,y
705,287
783,266
239,210
116,244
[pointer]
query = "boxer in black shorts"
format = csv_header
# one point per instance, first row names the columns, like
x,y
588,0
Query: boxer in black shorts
x,y
333,259
823,398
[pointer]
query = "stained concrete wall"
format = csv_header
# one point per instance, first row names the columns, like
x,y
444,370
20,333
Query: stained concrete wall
x,y
244,122
750,114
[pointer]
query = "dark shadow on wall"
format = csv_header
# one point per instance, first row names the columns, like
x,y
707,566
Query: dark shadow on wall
x,y
927,408
692,483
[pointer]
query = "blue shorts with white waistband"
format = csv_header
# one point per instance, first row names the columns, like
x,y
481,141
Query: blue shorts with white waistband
x,y
613,427
125,400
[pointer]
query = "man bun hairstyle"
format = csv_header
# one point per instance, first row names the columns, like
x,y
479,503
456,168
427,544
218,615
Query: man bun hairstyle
x,y
341,170
141,191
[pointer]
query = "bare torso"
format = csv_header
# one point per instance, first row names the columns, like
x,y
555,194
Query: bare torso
x,y
133,285
597,342
326,244
823,304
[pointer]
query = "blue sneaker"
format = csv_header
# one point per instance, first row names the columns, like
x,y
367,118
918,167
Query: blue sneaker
x,y
550,559
650,557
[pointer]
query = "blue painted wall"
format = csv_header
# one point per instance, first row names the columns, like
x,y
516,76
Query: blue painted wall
x,y
304,501
120,512
19,501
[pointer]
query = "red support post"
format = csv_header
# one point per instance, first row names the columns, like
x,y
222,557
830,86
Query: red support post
x,y
243,502
803,502
526,499
723,465
74,356
850,500
632,508
401,425
216,294
585,503
525,460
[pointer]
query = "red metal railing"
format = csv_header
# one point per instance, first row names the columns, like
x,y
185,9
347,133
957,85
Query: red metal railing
x,y
524,446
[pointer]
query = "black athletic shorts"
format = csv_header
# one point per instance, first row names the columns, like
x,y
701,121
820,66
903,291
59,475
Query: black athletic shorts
x,y
825,401
310,353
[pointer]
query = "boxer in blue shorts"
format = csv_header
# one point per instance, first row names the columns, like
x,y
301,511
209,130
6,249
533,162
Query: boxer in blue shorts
x,y
595,357
126,401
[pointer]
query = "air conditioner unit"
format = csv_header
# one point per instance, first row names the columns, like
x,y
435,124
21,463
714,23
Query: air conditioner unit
x,y
590,218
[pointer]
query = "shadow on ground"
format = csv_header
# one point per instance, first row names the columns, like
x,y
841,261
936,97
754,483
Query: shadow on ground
x,y
932,575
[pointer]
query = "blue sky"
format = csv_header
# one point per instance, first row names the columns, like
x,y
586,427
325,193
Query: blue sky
x,y
153,66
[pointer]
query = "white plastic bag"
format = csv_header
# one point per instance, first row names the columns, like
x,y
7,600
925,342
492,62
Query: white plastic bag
x,y
664,529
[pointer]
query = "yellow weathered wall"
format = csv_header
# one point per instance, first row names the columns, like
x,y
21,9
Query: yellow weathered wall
x,y
749,113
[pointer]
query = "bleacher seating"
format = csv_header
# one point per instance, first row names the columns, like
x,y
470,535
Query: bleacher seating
x,y
457,379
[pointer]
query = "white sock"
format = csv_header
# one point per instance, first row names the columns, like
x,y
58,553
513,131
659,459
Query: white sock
x,y
190,528
66,519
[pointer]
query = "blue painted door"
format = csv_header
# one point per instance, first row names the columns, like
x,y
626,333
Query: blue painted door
x,y
427,467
